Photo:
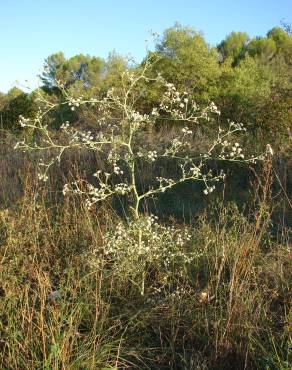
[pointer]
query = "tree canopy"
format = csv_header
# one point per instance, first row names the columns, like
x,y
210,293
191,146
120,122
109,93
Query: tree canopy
x,y
249,79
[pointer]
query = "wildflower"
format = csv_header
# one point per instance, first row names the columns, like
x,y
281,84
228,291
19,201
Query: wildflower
x,y
65,189
23,121
43,177
152,155
203,297
269,149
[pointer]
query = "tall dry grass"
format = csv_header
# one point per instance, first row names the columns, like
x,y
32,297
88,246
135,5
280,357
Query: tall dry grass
x,y
230,308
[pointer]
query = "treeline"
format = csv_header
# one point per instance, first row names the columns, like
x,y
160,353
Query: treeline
x,y
249,79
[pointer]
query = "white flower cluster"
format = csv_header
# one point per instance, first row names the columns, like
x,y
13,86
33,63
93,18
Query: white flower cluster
x,y
176,145
236,151
174,102
152,155
86,137
117,169
209,190
66,189
137,120
195,171
98,193
74,102
232,151
43,177
155,112
122,188
164,183
186,131
213,108
157,245
180,107
65,126
23,122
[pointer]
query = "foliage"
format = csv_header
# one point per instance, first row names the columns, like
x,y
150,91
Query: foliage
x,y
234,46
80,71
186,60
15,103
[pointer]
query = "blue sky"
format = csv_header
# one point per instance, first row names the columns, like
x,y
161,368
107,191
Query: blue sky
x,y
33,29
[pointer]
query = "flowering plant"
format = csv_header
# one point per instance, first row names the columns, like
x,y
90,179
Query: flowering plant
x,y
120,135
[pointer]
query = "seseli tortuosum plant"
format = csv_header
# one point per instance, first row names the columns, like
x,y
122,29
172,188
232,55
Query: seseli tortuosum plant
x,y
121,139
